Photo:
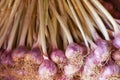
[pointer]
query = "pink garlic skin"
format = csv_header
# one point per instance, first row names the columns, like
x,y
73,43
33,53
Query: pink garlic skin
x,y
109,70
116,55
89,73
6,58
91,60
58,56
90,67
1,51
116,41
21,72
9,78
95,59
19,53
70,69
65,78
35,55
47,69
74,50
102,51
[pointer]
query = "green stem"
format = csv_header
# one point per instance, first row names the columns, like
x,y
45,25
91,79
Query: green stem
x,y
99,6
4,6
2,2
20,26
4,17
41,35
10,3
105,20
14,29
73,30
26,23
67,9
46,2
63,24
78,22
52,34
87,20
97,19
14,9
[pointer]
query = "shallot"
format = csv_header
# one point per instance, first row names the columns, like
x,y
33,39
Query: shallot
x,y
110,71
47,70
